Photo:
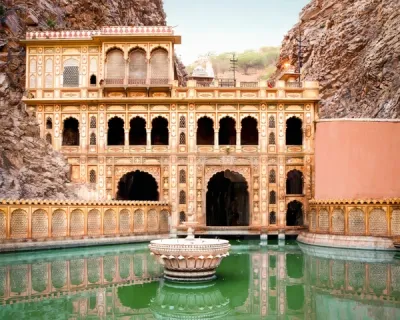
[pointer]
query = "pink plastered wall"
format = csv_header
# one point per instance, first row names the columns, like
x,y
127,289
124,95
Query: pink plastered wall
x,y
357,160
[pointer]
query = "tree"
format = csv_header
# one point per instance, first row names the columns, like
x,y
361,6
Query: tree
x,y
250,59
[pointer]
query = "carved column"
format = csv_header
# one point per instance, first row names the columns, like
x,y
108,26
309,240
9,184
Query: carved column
x,y
126,142
216,143
238,142
148,139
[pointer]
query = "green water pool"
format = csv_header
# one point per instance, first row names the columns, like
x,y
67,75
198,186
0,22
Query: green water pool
x,y
267,280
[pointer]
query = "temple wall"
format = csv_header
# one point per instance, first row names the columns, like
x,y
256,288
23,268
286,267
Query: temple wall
x,y
357,159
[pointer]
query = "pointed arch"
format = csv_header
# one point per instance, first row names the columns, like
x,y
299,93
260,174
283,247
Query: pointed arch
x,y
71,132
93,122
271,138
205,131
115,66
294,182
137,132
271,122
159,131
182,197
249,132
294,132
182,138
272,176
272,197
182,122
93,139
116,132
92,176
49,123
294,213
159,66
137,185
227,131
137,66
182,176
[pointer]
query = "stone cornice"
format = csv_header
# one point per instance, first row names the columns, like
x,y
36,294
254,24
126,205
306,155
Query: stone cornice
x,y
81,202
354,201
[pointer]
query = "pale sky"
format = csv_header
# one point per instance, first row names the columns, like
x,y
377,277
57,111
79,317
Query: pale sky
x,y
230,25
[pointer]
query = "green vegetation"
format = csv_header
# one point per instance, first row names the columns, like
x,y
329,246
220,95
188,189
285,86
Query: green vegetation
x,y
260,63
51,23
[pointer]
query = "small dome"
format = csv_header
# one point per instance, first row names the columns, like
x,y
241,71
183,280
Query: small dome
x,y
199,71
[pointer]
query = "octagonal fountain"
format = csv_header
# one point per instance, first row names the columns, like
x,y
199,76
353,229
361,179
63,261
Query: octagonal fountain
x,y
190,259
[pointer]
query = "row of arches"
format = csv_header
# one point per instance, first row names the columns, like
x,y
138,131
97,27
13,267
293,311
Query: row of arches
x,y
160,133
136,67
60,227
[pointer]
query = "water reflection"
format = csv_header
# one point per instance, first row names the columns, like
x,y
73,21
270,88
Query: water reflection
x,y
290,281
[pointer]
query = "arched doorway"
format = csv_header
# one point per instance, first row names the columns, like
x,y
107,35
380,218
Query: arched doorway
x,y
294,213
71,132
227,131
205,131
249,133
294,182
137,185
159,131
116,132
227,200
137,132
294,132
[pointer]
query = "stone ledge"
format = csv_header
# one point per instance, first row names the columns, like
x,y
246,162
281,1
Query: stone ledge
x,y
42,245
340,241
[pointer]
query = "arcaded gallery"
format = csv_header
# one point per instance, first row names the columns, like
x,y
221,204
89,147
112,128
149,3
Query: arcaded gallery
x,y
231,155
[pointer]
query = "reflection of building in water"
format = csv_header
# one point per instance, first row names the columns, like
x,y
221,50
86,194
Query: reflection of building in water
x,y
279,283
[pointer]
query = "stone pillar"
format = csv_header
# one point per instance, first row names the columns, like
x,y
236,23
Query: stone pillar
x,y
238,140
216,142
126,132
148,139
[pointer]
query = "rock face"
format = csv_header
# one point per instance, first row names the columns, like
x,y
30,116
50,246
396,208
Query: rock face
x,y
29,167
353,48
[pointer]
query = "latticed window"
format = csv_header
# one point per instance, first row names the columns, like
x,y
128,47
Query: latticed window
x,y
92,139
271,139
182,217
71,73
182,138
92,122
182,176
49,65
272,197
92,176
182,122
182,197
137,67
271,122
159,66
272,217
49,123
48,138
115,67
272,176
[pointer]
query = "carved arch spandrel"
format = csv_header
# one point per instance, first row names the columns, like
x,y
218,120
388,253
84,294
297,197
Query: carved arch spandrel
x,y
212,170
154,171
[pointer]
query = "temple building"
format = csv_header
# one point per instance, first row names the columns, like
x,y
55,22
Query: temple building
x,y
236,157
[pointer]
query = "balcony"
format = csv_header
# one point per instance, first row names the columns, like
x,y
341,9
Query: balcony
x,y
249,84
294,84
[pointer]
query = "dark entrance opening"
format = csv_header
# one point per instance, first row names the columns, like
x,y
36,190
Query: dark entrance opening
x,y
294,132
159,131
205,131
71,132
249,133
137,132
116,132
137,185
294,213
227,200
227,131
294,182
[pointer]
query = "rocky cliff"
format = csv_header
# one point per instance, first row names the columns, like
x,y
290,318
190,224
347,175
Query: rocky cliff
x,y
29,167
353,48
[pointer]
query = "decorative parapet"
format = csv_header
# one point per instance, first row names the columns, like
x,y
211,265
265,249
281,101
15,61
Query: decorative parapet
x,y
110,30
43,220
369,217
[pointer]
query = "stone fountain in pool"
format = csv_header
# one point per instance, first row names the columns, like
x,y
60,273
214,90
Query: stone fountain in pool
x,y
190,259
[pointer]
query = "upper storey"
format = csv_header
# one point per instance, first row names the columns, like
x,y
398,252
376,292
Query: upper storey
x,y
131,63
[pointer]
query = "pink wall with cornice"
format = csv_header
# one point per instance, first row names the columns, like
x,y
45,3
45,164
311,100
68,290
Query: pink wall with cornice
x,y
357,160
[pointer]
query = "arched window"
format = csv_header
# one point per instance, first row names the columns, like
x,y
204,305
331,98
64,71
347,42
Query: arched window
x,y
182,138
93,80
205,131
272,217
49,123
71,132
182,122
92,176
48,81
92,139
137,67
294,132
182,176
71,73
182,217
271,139
271,122
182,197
48,138
159,131
272,197
92,122
116,133
49,65
294,213
32,81
249,133
227,131
32,65
272,176
137,132
294,182
115,67
159,66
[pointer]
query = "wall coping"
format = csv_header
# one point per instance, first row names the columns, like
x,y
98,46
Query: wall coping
x,y
355,201
358,120
81,202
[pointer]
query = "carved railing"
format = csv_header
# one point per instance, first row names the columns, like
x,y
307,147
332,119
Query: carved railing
x,y
355,218
294,84
59,220
248,84
114,82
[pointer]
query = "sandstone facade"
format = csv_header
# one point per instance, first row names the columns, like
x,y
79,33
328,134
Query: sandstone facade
x,y
352,47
